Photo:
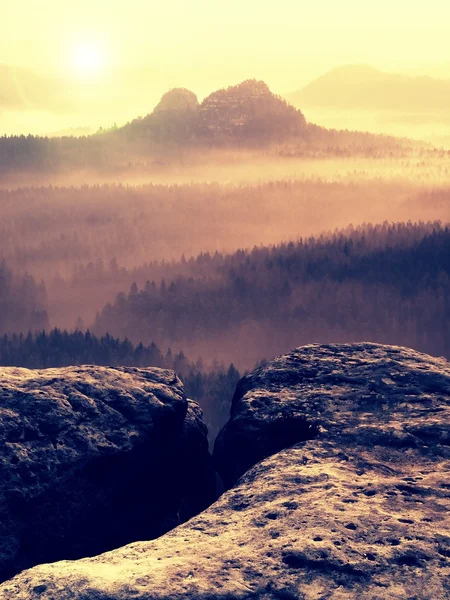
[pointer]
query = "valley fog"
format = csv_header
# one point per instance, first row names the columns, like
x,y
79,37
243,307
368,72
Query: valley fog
x,y
209,237
87,242
224,300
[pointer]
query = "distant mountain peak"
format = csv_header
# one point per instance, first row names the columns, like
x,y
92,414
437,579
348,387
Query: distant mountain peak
x,y
246,112
365,87
249,110
177,99
252,86
361,68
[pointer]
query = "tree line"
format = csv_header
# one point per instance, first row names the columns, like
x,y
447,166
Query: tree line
x,y
23,302
211,385
59,231
389,283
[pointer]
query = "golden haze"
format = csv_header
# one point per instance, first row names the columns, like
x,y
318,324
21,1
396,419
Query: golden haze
x,y
144,48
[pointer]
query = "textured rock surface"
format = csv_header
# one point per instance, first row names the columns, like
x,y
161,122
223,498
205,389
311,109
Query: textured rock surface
x,y
248,111
360,510
309,522
92,458
358,395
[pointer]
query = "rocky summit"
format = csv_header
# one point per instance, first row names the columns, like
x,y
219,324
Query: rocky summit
x,y
242,114
92,458
356,505
248,111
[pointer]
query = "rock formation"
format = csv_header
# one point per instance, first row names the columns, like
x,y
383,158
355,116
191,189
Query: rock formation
x,y
92,458
174,118
177,100
356,395
242,114
248,112
356,507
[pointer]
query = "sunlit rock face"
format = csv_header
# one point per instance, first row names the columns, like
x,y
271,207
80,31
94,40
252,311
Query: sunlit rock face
x,y
248,112
357,507
92,458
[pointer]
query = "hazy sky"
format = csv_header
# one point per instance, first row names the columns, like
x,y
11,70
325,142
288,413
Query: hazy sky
x,y
106,60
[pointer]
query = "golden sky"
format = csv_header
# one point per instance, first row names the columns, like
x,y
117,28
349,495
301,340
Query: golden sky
x,y
106,60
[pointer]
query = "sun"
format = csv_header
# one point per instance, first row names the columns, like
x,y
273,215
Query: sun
x,y
88,58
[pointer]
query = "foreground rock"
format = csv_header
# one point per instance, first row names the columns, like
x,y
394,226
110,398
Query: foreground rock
x,y
358,395
307,523
92,458
359,510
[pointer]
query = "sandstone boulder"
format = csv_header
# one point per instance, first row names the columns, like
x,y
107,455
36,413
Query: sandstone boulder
x,y
356,395
307,523
92,458
358,507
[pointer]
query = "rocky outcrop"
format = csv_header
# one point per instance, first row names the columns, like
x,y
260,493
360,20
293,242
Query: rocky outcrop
x,y
174,118
177,100
306,523
358,507
243,115
246,113
92,458
356,395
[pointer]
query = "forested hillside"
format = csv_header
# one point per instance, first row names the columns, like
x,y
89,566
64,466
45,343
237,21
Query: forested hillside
x,y
66,230
385,283
244,114
388,283
23,303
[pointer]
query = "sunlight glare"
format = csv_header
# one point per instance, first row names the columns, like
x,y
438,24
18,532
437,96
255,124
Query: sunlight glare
x,y
88,58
